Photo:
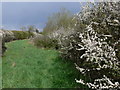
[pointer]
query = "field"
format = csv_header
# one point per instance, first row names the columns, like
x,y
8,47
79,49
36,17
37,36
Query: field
x,y
26,66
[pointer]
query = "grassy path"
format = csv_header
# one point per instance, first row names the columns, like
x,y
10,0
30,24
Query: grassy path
x,y
25,66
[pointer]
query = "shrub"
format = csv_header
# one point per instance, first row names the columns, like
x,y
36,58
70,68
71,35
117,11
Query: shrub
x,y
19,35
5,36
3,47
94,48
93,56
45,42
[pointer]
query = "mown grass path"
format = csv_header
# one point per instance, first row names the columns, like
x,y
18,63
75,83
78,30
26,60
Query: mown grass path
x,y
26,66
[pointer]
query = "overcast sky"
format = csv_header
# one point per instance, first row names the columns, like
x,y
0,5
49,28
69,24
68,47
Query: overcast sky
x,y
17,14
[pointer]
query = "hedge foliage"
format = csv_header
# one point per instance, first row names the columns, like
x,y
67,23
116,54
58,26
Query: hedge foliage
x,y
45,42
95,46
19,35
8,36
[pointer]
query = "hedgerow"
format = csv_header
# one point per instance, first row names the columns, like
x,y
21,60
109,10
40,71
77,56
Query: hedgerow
x,y
94,47
45,42
19,35
7,36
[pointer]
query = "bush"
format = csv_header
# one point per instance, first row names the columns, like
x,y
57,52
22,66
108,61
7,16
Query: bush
x,y
45,42
19,35
93,56
94,48
3,47
5,36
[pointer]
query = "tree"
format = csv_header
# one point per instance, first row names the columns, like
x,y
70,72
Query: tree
x,y
37,31
23,28
64,18
31,28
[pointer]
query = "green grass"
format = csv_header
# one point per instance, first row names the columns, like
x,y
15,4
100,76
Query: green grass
x,y
26,66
